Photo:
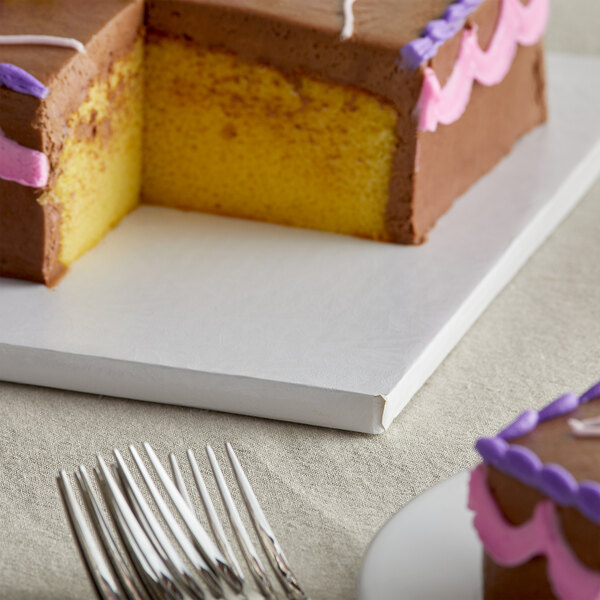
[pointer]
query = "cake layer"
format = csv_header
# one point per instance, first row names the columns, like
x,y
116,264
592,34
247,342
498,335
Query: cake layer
x,y
300,39
226,136
100,167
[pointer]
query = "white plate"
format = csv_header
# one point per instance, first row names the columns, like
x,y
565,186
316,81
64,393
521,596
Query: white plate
x,y
299,325
427,551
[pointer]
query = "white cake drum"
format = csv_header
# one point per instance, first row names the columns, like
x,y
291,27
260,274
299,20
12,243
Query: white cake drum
x,y
292,324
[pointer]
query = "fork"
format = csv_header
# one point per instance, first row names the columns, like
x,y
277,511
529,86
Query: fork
x,y
136,559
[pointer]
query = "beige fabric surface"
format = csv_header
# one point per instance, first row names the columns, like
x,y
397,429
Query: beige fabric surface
x,y
326,492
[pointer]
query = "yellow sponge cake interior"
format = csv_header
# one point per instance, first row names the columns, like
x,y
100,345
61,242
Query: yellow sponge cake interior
x,y
99,169
231,137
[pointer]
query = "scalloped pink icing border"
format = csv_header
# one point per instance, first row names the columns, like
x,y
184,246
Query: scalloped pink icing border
x,y
517,24
511,546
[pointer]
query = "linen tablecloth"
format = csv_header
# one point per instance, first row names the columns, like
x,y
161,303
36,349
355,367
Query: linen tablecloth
x,y
326,492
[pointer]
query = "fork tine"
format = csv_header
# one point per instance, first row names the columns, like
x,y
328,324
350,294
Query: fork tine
x,y
209,550
100,573
159,577
213,518
265,533
179,482
163,574
134,553
208,576
128,581
157,534
120,479
250,554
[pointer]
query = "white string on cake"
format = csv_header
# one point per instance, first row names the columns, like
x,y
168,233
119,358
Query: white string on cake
x,y
348,29
585,427
42,40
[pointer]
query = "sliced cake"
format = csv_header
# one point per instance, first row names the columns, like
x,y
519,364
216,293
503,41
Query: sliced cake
x,y
307,112
79,141
360,117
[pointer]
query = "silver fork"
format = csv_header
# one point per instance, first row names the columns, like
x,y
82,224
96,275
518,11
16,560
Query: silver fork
x,y
136,558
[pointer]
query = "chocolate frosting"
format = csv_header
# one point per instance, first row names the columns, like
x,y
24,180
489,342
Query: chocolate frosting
x,y
452,158
385,23
525,582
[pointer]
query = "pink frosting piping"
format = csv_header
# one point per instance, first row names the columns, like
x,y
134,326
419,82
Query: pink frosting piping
x,y
510,545
517,24
23,165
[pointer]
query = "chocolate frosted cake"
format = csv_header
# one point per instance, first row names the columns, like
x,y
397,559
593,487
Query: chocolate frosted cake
x,y
536,499
362,117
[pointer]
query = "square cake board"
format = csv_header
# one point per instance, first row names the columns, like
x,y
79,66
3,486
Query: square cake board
x,y
291,324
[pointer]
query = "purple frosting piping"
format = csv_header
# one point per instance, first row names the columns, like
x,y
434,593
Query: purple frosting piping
x,y
421,49
523,424
418,51
523,464
441,30
588,500
555,481
561,406
492,450
21,81
593,392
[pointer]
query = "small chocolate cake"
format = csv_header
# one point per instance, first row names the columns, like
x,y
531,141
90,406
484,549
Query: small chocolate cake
x,y
536,499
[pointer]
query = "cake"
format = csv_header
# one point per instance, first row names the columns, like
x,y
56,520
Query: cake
x,y
536,500
367,118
